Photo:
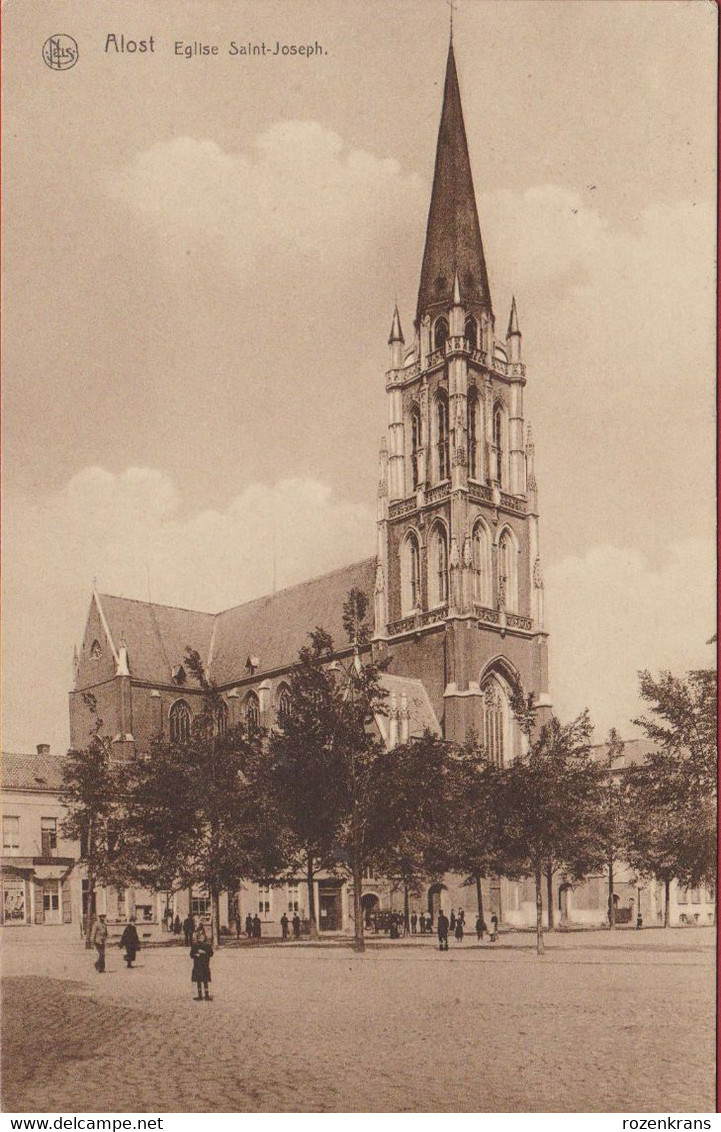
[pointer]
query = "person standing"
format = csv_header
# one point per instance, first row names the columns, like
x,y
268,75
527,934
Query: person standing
x,y
130,940
296,926
256,926
284,925
201,953
494,928
442,928
249,925
414,923
452,922
188,929
459,930
422,923
99,938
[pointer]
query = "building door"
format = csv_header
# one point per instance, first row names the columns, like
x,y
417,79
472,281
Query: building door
x,y
329,907
51,902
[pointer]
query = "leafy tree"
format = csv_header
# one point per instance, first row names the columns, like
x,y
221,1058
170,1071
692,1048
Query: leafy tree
x,y
92,790
199,811
656,824
548,800
303,755
683,725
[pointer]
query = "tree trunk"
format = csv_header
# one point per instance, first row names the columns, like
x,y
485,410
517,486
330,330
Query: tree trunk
x,y
667,902
90,917
359,938
215,925
611,902
479,897
540,946
549,897
406,912
310,874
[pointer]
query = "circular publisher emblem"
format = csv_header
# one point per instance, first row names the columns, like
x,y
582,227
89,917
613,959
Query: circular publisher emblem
x,y
60,52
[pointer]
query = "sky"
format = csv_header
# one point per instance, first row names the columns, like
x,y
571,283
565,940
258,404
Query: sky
x,y
201,258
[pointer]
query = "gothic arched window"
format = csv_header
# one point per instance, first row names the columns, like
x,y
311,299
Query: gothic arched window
x,y
482,564
180,719
415,444
471,332
440,334
438,572
507,571
499,444
495,723
252,712
442,437
474,462
410,573
285,704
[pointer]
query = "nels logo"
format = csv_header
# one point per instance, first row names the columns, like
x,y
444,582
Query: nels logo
x,y
60,52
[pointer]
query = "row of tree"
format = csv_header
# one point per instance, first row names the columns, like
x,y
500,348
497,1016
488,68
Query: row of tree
x,y
322,793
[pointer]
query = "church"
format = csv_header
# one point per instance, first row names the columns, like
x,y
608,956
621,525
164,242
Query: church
x,y
456,585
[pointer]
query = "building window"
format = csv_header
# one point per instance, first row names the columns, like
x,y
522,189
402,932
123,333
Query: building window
x,y
471,332
51,897
200,905
494,723
439,567
285,704
264,899
180,719
252,712
482,564
222,719
293,898
499,452
474,463
440,334
410,573
415,445
95,650
442,437
11,834
369,873
48,836
507,572
682,895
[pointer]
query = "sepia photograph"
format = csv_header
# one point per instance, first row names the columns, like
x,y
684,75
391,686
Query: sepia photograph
x,y
359,652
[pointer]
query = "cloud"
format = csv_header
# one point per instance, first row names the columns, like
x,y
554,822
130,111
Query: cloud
x,y
130,531
611,615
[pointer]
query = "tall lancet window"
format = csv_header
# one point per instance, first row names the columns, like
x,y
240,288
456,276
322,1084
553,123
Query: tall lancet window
x,y
415,445
495,723
180,719
440,334
498,444
474,462
442,437
252,712
482,564
508,571
410,573
439,566
471,333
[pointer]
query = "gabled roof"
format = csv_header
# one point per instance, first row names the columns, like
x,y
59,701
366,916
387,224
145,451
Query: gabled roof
x,y
271,628
31,772
453,236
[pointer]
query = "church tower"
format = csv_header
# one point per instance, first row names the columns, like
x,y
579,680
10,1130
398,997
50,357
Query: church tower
x,y
459,587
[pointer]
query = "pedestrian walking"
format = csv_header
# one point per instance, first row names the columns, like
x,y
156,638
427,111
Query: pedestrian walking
x,y
296,926
256,926
201,953
284,925
187,929
442,928
130,940
414,923
494,928
98,938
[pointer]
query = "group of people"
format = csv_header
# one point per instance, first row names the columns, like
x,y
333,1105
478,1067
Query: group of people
x,y
456,925
201,950
130,940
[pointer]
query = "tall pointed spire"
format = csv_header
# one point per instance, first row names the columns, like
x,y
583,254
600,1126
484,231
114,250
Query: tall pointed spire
x,y
396,334
513,320
453,235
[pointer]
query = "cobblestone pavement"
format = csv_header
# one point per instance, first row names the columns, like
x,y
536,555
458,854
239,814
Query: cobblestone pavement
x,y
604,1022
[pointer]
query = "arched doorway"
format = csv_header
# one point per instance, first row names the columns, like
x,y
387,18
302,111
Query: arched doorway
x,y
435,901
370,905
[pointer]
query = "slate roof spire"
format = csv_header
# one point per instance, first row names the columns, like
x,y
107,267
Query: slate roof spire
x,y
453,234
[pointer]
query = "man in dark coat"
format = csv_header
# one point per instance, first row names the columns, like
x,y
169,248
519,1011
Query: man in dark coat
x,y
256,926
284,925
201,953
249,925
187,929
414,923
296,926
130,940
442,931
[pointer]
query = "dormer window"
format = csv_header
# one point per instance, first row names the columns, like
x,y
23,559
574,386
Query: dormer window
x,y
95,650
252,665
179,675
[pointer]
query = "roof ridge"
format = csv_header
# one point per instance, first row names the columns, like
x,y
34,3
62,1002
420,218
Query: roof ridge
x,y
298,585
159,604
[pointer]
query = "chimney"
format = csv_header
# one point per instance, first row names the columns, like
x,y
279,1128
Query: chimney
x,y
43,748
